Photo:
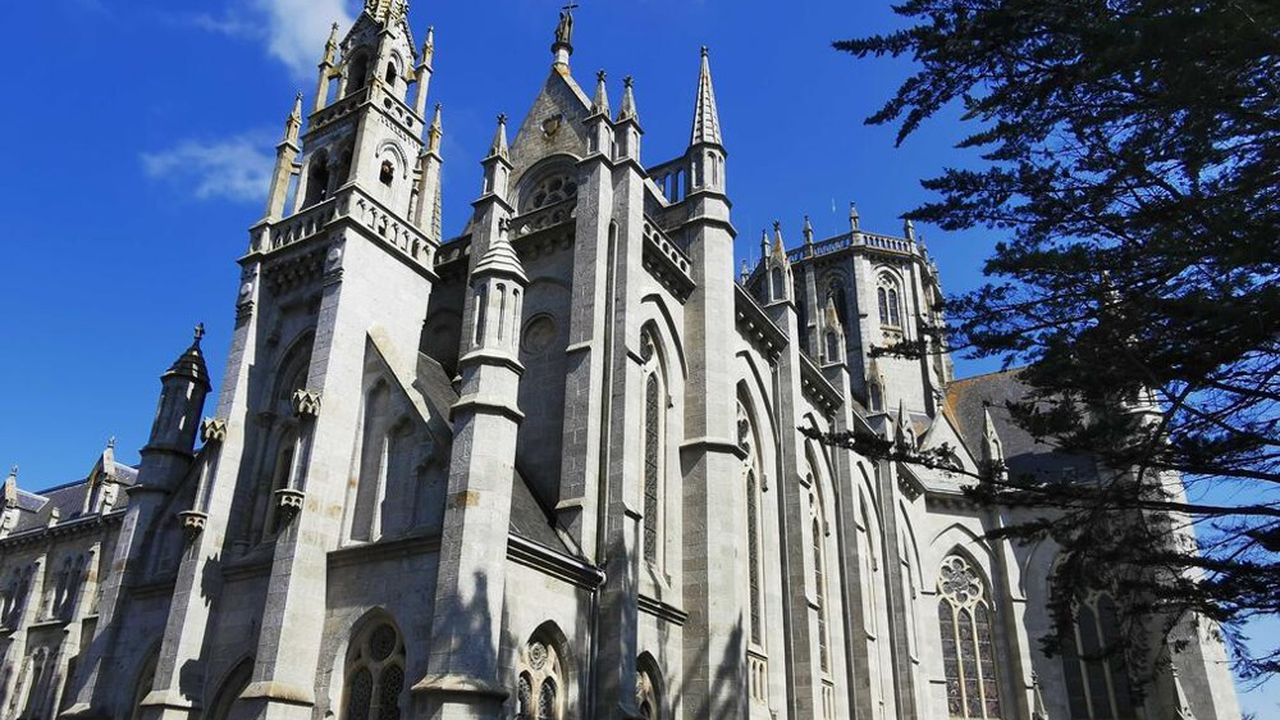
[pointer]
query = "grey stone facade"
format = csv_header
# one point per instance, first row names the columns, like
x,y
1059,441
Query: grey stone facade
x,y
550,468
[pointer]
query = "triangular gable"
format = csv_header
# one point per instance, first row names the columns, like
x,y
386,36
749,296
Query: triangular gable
x,y
554,124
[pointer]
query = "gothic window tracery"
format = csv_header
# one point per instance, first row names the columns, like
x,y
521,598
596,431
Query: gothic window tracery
x,y
647,694
555,188
1094,668
968,647
375,674
655,410
540,684
889,300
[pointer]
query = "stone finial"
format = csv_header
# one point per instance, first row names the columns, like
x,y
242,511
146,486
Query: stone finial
x,y
764,245
499,148
909,229
628,110
564,29
435,133
600,105
429,47
11,488
808,231
855,220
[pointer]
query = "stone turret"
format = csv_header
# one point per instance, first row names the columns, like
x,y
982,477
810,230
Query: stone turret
x,y
463,678
185,385
706,145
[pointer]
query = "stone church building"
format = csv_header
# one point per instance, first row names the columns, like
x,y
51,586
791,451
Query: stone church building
x,y
551,468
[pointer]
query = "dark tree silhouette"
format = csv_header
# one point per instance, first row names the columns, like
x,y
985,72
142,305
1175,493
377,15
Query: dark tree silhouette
x,y
1131,156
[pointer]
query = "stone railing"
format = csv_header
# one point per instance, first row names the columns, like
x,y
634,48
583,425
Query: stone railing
x,y
666,262
672,179
376,92
544,218
758,678
356,206
849,240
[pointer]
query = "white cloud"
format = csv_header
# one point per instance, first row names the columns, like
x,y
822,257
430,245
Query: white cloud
x,y
297,30
293,31
237,168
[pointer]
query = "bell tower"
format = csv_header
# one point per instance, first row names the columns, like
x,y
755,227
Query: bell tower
x,y
334,289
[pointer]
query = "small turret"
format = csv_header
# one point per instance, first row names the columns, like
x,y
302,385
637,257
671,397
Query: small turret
x,y
327,75
427,211
599,127
286,154
778,270
184,387
628,130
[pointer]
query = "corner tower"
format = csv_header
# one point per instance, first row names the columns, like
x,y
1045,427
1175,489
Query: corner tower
x,y
333,293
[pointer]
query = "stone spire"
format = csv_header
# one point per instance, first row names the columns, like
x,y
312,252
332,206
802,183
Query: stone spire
x,y
425,70
706,116
327,64
499,147
778,269
628,110
387,11
191,363
436,130
833,352
293,124
600,105
500,260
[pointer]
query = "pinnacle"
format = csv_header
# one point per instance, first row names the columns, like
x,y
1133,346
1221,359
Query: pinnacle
x,y
600,105
498,148
706,115
628,110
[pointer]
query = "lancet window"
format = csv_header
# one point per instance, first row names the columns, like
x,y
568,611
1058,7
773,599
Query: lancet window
x,y
375,674
817,536
889,299
1093,663
968,647
655,423
747,441
540,685
648,697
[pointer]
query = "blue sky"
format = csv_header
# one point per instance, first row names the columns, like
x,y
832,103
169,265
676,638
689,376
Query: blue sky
x,y
139,137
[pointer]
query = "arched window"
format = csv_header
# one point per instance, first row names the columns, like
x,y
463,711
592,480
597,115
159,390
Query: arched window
x,y
888,297
968,647
833,347
648,695
836,296
655,409
317,179
366,508
232,687
817,536
482,313
540,685
375,674
391,75
753,556
1097,679
779,284
357,73
550,190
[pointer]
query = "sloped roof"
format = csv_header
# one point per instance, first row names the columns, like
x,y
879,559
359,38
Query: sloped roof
x,y
966,401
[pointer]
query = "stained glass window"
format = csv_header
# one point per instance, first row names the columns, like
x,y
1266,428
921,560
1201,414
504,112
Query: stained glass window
x,y
652,470
883,297
968,647
1097,678
524,698
753,555
375,675
547,700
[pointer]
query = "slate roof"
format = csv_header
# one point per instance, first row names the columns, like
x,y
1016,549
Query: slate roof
x,y
68,499
966,400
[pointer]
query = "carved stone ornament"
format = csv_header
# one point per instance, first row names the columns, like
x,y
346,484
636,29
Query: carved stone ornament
x,y
306,403
193,522
213,430
289,503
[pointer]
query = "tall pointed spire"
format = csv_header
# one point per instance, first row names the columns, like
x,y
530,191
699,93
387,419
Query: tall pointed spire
x,y
706,116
